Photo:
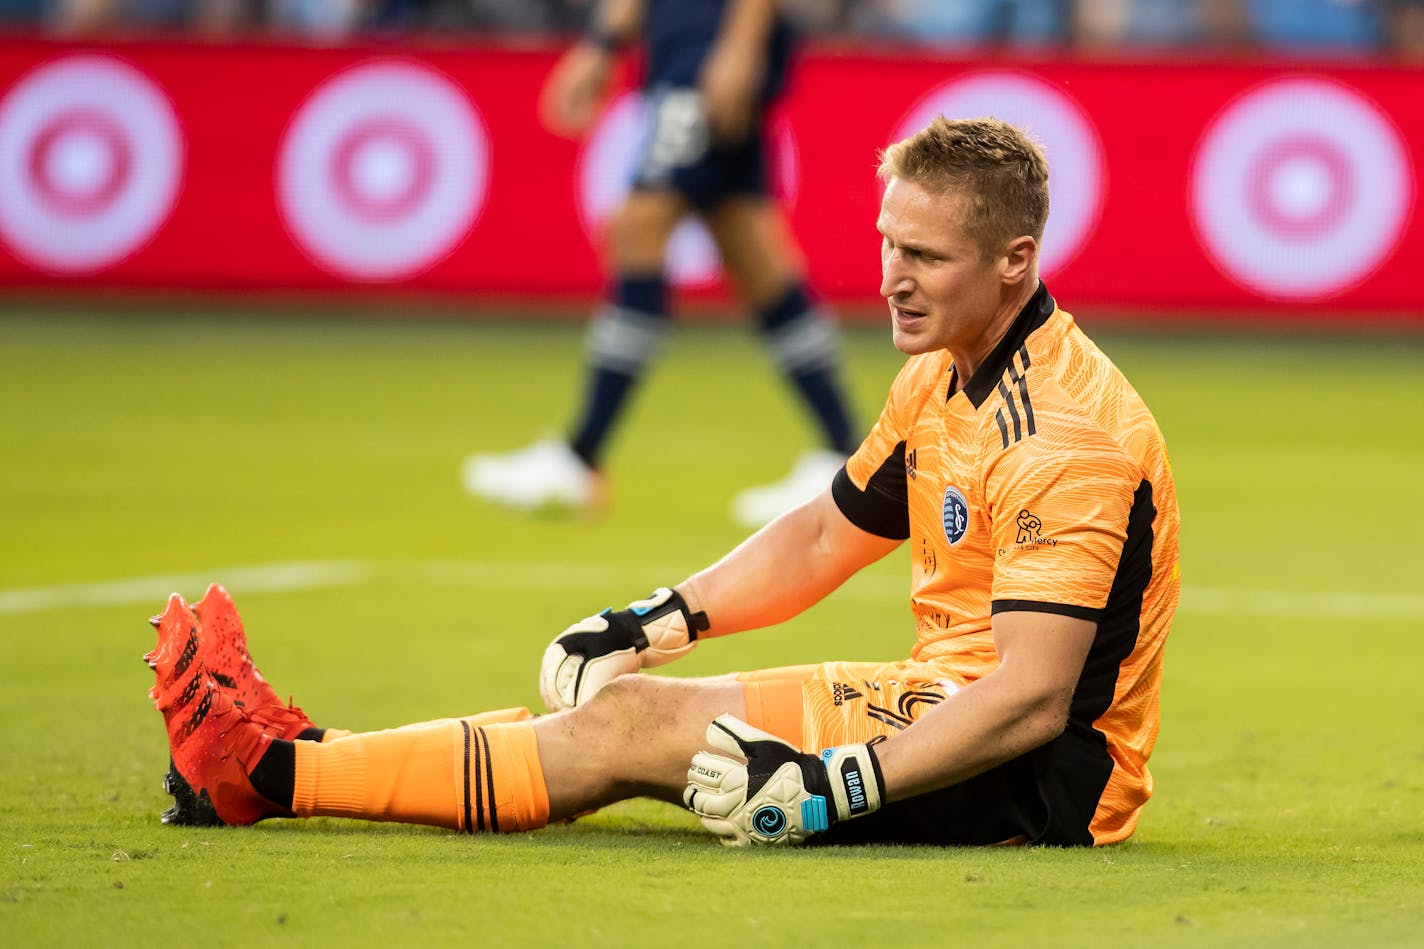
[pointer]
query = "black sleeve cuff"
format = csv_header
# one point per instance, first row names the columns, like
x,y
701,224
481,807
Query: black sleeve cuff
x,y
883,508
1034,606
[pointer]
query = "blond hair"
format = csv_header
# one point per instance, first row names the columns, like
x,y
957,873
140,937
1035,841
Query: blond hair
x,y
996,166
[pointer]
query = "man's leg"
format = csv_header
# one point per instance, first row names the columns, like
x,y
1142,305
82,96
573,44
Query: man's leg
x,y
762,257
627,332
624,337
635,738
495,772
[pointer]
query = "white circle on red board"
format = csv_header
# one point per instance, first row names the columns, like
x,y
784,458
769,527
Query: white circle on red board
x,y
1056,123
91,158
1300,188
383,171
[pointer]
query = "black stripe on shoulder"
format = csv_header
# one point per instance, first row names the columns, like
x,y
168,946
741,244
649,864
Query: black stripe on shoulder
x,y
883,508
986,378
1013,414
1036,606
1020,379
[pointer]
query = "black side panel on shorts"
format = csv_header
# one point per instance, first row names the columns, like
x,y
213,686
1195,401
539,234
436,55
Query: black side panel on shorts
x,y
990,808
1074,767
883,508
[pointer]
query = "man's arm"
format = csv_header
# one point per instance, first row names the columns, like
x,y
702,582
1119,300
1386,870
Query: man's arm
x,y
776,573
570,99
732,75
617,20
1020,705
757,788
784,568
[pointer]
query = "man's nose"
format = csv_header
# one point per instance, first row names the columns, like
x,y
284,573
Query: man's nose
x,y
893,278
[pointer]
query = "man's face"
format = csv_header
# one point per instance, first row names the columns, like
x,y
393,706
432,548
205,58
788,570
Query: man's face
x,y
942,293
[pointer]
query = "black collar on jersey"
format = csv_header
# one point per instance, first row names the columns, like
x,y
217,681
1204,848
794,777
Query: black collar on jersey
x,y
1035,313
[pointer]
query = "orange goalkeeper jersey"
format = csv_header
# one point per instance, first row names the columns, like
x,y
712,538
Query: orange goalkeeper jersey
x,y
1042,483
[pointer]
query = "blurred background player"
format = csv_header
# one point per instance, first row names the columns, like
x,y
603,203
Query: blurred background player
x,y
712,68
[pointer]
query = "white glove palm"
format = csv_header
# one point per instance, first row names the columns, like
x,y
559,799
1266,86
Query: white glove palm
x,y
780,795
596,650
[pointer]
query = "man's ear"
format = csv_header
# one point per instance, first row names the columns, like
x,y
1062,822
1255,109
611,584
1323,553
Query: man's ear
x,y
1020,259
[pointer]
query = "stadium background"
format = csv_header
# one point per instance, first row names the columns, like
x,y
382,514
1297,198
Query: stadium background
x,y
182,233
1188,185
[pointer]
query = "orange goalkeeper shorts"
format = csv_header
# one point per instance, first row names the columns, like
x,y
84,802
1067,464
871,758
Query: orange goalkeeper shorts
x,y
835,703
825,704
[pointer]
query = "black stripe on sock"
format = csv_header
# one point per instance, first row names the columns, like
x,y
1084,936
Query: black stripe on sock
x,y
480,786
489,782
466,726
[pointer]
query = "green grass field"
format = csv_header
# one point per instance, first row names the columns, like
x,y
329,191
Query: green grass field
x,y
311,465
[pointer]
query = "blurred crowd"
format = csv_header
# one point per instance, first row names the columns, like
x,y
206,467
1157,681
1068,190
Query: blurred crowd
x,y
1313,27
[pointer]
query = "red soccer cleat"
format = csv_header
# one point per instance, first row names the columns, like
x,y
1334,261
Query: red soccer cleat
x,y
175,658
214,745
223,651
193,645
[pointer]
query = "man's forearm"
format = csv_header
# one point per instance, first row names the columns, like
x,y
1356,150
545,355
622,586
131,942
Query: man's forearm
x,y
1011,711
747,23
617,20
974,730
786,567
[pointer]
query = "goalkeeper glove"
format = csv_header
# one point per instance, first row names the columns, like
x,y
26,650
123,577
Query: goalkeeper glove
x,y
594,651
780,796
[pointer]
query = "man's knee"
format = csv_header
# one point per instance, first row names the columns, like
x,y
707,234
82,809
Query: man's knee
x,y
755,249
665,706
633,695
622,691
639,232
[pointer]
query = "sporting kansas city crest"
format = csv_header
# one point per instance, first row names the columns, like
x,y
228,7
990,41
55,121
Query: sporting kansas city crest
x,y
956,515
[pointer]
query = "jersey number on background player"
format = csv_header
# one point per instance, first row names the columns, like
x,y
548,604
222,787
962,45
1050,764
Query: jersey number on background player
x,y
678,135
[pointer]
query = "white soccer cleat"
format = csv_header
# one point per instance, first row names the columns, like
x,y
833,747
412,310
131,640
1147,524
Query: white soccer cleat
x,y
812,474
546,474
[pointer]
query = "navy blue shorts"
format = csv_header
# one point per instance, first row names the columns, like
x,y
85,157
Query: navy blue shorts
x,y
678,154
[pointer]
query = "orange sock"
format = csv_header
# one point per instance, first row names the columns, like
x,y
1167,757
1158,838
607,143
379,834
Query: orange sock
x,y
520,714
467,774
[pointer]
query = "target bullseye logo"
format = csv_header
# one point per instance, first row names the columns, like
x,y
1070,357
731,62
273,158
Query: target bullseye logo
x,y
90,162
1305,187
383,171
605,173
1056,123
80,162
1300,189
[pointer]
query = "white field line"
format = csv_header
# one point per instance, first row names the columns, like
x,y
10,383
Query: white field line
x,y
1291,604
524,575
154,590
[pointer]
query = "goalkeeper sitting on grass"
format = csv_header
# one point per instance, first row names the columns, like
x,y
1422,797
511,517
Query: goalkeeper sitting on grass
x,y
1037,496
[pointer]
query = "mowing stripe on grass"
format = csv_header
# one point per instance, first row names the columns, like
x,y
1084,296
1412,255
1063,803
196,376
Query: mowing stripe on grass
x,y
312,575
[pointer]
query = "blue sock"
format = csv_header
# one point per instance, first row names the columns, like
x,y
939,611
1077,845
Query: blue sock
x,y
804,342
625,335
